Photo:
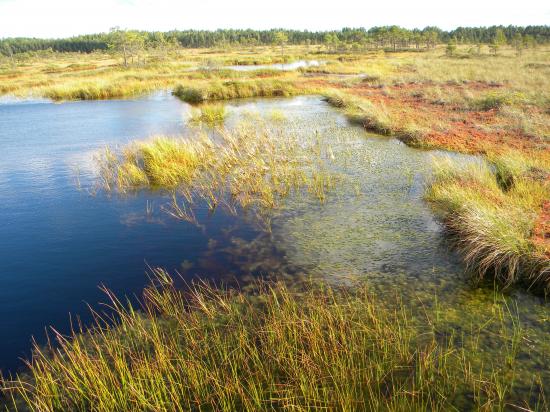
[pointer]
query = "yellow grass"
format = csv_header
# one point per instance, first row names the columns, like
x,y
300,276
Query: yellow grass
x,y
317,348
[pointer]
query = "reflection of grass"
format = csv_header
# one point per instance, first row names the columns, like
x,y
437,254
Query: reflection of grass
x,y
274,349
494,214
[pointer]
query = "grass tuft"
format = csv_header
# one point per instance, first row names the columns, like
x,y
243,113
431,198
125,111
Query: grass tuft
x,y
492,212
248,167
316,347
235,89
209,114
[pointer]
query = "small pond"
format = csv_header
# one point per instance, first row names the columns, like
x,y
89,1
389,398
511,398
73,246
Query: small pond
x,y
276,66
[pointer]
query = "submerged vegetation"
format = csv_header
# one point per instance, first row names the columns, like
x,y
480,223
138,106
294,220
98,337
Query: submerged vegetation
x,y
316,347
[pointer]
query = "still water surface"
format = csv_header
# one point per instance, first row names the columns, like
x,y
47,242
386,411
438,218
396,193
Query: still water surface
x,y
276,66
58,243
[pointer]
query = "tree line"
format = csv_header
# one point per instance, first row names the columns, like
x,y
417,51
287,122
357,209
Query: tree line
x,y
392,37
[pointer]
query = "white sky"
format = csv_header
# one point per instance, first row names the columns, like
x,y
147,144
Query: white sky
x,y
61,18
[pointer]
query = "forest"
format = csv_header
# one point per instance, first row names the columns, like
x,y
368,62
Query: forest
x,y
394,37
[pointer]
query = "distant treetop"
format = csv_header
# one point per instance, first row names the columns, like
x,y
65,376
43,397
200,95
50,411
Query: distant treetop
x,y
392,35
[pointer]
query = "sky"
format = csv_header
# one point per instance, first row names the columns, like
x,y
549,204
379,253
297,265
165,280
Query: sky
x,y
63,18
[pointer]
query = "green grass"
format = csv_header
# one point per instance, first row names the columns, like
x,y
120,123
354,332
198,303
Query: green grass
x,y
491,211
314,347
235,89
250,167
209,114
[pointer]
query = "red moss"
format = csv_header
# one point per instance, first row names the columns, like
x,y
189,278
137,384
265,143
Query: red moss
x,y
463,130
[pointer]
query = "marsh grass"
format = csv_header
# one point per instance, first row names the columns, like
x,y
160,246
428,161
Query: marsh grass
x,y
97,76
376,118
98,90
274,347
235,90
494,212
251,166
491,211
209,114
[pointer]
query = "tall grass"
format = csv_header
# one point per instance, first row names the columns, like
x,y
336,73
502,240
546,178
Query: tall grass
x,y
275,349
209,114
492,212
249,167
98,90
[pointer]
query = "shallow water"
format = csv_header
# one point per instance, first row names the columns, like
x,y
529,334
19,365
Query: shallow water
x,y
59,243
276,66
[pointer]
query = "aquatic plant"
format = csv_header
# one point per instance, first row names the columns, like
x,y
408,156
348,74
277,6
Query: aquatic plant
x,y
311,347
210,114
249,167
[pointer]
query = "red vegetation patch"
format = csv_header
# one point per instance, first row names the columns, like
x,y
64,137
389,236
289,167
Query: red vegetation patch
x,y
449,126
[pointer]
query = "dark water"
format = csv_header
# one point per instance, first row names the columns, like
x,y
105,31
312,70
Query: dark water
x,y
58,243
